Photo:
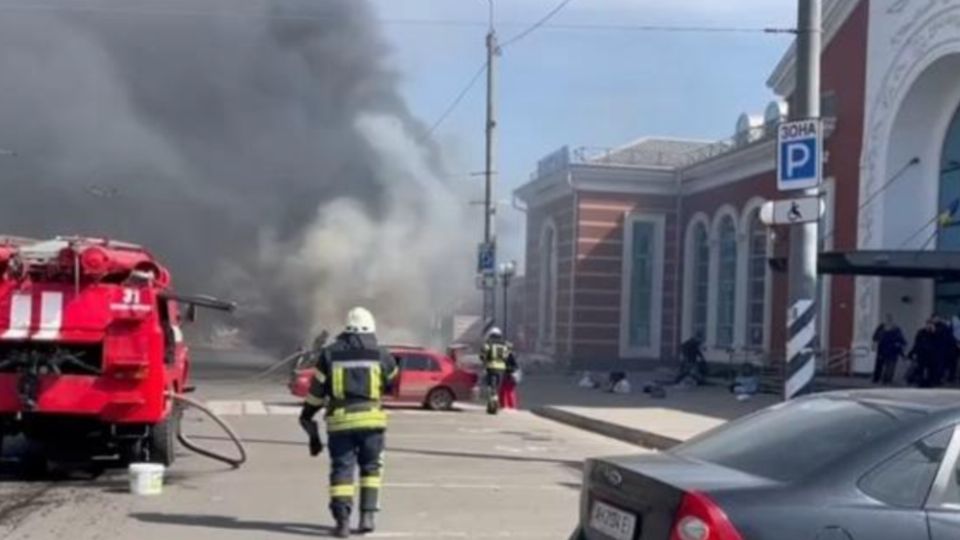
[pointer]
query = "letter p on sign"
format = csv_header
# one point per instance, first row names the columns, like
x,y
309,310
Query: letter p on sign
x,y
799,155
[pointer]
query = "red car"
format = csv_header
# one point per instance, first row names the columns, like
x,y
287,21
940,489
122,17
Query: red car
x,y
426,377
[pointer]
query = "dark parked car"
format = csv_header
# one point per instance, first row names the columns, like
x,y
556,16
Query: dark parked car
x,y
859,465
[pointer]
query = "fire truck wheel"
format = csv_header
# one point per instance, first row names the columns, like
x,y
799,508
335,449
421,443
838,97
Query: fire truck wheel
x,y
163,438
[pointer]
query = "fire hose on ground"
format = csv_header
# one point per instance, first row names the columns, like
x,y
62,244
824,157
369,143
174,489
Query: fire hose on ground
x,y
234,462
237,442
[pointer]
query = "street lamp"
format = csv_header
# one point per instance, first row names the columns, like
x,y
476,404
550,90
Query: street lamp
x,y
507,270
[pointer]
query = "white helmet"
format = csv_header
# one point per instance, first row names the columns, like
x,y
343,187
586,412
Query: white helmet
x,y
360,321
494,333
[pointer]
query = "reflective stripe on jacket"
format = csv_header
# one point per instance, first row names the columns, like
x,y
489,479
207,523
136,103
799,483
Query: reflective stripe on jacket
x,y
351,378
495,356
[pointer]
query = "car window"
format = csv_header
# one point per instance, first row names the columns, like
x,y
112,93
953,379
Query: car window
x,y
790,441
905,479
951,495
416,362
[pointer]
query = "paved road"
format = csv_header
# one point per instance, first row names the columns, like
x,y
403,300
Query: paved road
x,y
449,475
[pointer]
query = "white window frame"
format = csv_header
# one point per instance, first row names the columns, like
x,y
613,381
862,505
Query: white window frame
x,y
752,206
722,214
548,288
690,274
656,300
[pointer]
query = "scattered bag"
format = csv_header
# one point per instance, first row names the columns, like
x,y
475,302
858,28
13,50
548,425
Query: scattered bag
x,y
621,387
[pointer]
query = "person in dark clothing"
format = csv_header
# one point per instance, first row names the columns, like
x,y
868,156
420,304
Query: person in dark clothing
x,y
923,353
693,363
946,350
952,365
889,343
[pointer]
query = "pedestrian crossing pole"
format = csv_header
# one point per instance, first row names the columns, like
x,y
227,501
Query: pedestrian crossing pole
x,y
802,339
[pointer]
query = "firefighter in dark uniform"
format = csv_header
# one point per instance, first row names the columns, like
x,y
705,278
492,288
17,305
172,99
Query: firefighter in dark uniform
x,y
352,375
496,354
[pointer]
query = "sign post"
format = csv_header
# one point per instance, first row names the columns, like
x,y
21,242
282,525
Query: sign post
x,y
799,167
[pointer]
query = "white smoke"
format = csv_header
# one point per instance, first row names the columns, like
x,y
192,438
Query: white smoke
x,y
408,264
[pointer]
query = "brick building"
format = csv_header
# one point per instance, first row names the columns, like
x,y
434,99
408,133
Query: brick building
x,y
631,250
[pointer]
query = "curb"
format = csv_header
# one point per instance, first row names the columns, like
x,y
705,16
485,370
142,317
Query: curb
x,y
639,437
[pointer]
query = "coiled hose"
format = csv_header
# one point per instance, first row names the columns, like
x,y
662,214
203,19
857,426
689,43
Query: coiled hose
x,y
190,445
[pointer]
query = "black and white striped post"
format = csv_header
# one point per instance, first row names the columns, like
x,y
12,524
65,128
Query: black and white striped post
x,y
802,306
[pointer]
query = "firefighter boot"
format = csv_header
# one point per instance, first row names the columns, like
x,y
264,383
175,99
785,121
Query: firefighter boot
x,y
342,517
493,406
343,528
367,522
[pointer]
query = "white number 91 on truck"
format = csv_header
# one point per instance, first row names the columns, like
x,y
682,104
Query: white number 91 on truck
x,y
91,349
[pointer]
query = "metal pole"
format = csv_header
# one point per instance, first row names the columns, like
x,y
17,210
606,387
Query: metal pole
x,y
802,327
490,209
506,287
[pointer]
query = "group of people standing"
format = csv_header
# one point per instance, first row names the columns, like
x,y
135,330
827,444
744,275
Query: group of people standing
x,y
933,355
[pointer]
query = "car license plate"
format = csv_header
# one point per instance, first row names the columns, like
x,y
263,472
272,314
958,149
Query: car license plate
x,y
613,522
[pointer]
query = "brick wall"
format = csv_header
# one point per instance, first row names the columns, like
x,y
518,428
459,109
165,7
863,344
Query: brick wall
x,y
599,275
560,213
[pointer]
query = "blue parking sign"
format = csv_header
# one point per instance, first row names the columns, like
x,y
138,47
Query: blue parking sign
x,y
486,258
799,155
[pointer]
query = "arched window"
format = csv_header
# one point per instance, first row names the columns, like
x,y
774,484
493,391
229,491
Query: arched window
x,y
726,281
548,287
756,280
948,238
701,280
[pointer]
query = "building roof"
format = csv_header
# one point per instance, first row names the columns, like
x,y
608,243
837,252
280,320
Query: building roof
x,y
648,151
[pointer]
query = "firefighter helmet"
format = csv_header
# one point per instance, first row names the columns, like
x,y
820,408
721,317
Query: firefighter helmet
x,y
360,321
494,333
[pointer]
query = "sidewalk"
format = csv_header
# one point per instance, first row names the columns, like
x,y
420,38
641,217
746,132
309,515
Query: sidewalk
x,y
636,418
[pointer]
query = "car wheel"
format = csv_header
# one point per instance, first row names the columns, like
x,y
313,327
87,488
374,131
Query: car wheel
x,y
440,399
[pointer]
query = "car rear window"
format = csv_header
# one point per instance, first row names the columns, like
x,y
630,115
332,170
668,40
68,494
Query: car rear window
x,y
789,441
416,362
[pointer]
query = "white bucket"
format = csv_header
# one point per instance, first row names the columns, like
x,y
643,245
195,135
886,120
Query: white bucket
x,y
146,478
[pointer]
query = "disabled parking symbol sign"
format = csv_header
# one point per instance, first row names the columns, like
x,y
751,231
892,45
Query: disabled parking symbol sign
x,y
799,155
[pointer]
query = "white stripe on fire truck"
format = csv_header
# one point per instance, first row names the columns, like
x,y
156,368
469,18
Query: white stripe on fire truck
x,y
51,316
21,306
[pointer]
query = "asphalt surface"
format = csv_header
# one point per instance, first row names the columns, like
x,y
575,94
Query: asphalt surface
x,y
460,474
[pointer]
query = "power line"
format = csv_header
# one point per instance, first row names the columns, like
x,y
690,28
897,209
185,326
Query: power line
x,y
952,167
449,23
873,196
456,102
543,20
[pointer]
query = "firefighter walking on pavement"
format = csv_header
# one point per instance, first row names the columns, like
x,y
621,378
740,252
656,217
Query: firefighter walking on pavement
x,y
352,375
496,354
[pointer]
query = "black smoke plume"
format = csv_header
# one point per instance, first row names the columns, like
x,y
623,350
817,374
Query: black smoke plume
x,y
260,149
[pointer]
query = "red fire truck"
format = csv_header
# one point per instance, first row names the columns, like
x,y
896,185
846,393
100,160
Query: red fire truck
x,y
91,351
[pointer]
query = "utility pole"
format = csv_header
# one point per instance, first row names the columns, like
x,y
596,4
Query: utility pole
x,y
490,206
802,340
